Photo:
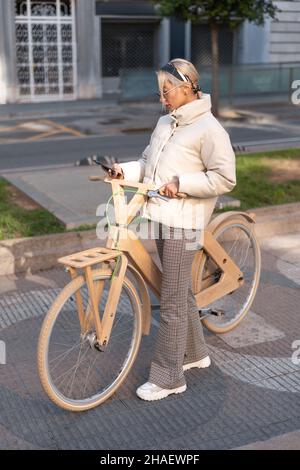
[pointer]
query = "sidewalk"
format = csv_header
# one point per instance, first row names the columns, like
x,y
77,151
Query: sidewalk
x,y
54,190
249,395
9,111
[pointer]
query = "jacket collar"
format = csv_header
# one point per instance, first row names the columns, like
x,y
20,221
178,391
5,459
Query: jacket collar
x,y
190,112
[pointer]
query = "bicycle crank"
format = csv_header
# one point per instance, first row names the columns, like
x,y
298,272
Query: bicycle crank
x,y
217,312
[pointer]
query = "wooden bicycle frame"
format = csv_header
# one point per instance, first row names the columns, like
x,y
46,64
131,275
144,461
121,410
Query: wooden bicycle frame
x,y
123,245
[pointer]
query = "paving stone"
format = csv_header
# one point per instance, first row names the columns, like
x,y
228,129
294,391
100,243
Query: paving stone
x,y
250,393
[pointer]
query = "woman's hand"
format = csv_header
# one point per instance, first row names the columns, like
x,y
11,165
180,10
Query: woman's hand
x,y
170,189
116,171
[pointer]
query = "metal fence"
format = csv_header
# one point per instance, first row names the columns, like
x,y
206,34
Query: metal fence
x,y
201,54
128,45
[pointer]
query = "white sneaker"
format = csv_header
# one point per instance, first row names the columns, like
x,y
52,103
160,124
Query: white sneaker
x,y
200,364
151,392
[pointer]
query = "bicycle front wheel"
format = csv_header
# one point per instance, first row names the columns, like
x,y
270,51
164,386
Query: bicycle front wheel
x,y
237,238
74,373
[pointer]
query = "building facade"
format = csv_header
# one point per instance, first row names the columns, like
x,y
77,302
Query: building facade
x,y
77,49
74,49
80,49
277,42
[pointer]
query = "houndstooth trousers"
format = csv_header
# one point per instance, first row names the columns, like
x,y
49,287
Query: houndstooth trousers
x,y
180,337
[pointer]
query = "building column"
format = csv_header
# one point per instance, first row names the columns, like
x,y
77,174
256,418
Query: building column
x,y
8,71
253,43
88,50
188,40
164,41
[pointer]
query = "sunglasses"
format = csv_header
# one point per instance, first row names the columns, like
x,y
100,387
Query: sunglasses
x,y
164,93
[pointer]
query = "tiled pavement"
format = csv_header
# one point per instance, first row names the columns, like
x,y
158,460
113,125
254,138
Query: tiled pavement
x,y
250,393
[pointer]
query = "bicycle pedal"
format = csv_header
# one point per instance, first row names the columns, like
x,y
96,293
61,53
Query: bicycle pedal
x,y
210,311
217,312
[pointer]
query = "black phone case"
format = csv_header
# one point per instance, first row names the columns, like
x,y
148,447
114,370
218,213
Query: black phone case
x,y
105,167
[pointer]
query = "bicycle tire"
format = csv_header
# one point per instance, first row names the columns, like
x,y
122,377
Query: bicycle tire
x,y
52,318
203,270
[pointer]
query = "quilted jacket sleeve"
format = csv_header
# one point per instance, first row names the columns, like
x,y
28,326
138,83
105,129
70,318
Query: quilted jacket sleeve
x,y
135,171
219,176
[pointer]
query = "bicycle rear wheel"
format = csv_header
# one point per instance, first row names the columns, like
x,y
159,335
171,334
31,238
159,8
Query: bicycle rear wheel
x,y
74,373
237,238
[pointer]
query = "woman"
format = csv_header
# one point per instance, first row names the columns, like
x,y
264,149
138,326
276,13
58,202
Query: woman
x,y
190,152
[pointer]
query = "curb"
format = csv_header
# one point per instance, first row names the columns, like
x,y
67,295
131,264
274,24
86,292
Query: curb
x,y
277,220
39,253
34,254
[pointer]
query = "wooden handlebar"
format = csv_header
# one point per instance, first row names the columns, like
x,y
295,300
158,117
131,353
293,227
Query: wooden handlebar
x,y
97,178
122,182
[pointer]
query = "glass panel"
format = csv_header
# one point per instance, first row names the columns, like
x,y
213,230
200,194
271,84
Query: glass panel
x,y
40,90
52,54
37,33
38,54
22,33
68,90
43,8
52,75
22,54
21,7
39,75
54,90
65,8
68,74
23,75
24,91
51,33
66,33
67,55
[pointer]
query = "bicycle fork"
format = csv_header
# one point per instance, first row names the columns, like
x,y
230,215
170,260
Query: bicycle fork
x,y
91,317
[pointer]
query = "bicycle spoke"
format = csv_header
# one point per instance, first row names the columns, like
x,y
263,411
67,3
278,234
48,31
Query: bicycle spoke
x,y
237,241
71,368
76,367
88,373
62,356
77,370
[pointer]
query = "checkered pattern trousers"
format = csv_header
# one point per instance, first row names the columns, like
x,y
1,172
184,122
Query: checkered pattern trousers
x,y
180,337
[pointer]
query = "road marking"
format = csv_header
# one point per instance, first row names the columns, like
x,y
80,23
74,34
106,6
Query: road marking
x,y
42,136
63,129
53,127
9,129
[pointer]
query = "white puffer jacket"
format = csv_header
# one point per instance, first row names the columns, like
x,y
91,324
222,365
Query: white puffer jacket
x,y
191,144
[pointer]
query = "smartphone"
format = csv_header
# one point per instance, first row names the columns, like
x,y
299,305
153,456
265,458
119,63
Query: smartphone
x,y
105,167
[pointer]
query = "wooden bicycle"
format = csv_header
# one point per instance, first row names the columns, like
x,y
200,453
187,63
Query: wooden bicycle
x,y
91,335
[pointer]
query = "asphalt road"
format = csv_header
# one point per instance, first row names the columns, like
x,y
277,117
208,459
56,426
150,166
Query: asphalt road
x,y
67,150
122,131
